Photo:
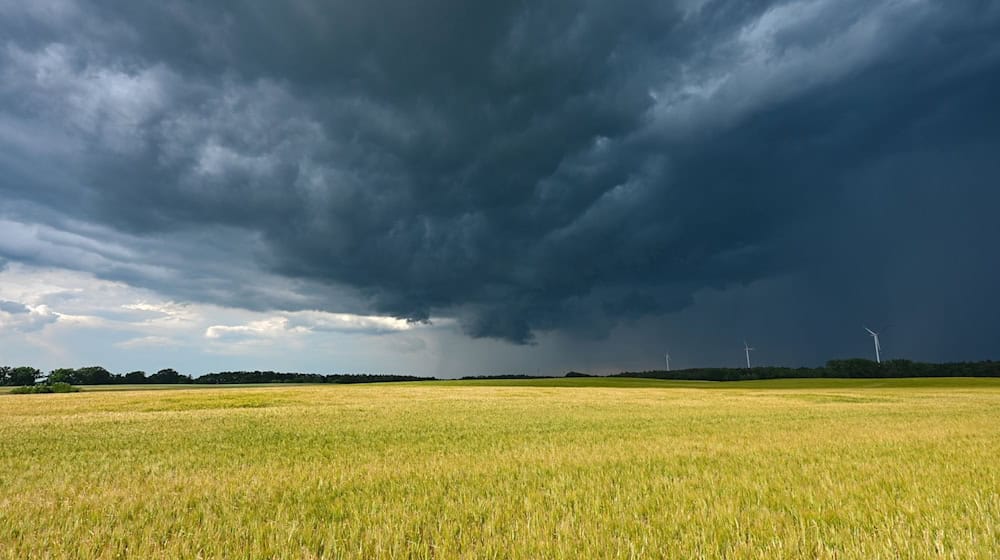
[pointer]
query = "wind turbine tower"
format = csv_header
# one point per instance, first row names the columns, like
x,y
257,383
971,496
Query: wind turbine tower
x,y
878,348
667,356
747,349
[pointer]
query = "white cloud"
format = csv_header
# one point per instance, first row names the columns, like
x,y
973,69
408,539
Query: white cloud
x,y
147,342
269,327
309,322
55,317
166,314
347,322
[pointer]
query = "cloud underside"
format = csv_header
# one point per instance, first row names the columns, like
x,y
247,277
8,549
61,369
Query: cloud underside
x,y
517,167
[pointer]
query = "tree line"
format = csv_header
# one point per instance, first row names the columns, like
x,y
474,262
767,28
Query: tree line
x,y
229,377
851,368
97,375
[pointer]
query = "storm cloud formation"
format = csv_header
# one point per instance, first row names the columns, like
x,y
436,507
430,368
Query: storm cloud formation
x,y
522,167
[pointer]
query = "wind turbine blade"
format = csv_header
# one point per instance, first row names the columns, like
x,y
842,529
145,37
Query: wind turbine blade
x,y
871,332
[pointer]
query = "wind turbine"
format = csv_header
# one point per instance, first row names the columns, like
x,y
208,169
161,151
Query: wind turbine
x,y
667,356
878,348
747,349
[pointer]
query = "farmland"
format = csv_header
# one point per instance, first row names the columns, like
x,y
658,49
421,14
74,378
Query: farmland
x,y
556,468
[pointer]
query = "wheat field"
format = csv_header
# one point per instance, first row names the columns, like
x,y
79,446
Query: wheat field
x,y
609,469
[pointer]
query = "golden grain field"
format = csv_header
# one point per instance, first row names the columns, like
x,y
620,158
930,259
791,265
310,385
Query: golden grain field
x,y
614,470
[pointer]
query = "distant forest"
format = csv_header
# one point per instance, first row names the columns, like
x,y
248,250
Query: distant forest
x,y
96,375
854,368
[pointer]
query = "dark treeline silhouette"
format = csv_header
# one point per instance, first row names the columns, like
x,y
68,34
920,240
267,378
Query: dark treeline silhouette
x,y
504,376
852,368
23,375
91,375
96,375
228,377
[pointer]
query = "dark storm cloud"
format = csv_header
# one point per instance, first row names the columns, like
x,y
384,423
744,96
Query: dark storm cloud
x,y
521,166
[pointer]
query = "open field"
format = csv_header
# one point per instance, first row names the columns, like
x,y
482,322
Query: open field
x,y
543,469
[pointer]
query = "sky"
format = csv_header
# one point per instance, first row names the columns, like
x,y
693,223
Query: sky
x,y
455,188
